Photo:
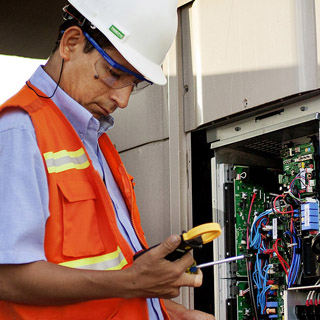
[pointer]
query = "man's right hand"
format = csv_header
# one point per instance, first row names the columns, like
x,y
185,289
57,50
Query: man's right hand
x,y
151,275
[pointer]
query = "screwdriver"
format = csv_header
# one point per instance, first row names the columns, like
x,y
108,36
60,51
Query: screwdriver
x,y
194,269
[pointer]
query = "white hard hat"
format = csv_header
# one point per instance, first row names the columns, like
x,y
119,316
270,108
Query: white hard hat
x,y
141,30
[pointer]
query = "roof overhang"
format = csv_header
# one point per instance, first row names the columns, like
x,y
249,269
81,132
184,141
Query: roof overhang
x,y
183,2
29,28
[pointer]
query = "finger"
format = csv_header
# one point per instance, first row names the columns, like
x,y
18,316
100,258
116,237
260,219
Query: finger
x,y
185,261
198,279
190,280
166,247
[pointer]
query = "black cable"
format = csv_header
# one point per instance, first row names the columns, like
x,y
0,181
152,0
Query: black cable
x,y
251,288
244,204
285,246
55,90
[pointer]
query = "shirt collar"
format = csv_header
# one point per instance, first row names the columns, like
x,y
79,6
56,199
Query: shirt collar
x,y
78,116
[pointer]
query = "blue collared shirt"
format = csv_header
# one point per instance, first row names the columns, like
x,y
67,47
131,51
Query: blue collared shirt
x,y
24,205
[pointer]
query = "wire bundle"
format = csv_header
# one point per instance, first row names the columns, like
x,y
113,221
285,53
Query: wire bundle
x,y
282,261
259,243
290,191
260,278
296,259
255,234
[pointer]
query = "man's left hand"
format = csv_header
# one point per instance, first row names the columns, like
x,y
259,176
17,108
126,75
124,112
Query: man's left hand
x,y
179,312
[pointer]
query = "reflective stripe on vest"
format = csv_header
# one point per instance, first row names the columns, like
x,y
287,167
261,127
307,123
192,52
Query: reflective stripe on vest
x,y
65,160
111,261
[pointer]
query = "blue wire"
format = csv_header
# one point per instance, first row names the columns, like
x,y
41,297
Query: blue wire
x,y
296,259
265,287
256,278
296,262
260,278
256,241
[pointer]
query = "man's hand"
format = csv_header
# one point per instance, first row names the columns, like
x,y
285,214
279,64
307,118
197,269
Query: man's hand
x,y
153,276
179,312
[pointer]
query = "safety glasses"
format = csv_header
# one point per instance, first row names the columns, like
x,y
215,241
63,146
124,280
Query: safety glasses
x,y
114,74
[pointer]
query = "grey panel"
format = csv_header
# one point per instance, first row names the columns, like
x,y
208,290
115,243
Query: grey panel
x,y
149,166
317,14
284,117
224,95
144,120
242,54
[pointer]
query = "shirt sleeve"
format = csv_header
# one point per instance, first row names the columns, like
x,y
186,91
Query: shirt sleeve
x,y
24,196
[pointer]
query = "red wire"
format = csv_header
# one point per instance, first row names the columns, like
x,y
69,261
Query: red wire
x,y
291,223
248,222
275,247
275,207
293,182
281,259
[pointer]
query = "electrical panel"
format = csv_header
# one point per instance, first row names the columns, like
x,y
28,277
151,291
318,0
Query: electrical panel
x,y
277,222
269,211
260,279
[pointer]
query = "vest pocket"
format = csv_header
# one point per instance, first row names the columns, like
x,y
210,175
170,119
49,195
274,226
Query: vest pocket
x,y
81,234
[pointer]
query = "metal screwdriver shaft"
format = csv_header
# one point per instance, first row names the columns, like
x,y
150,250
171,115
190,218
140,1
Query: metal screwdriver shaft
x,y
213,263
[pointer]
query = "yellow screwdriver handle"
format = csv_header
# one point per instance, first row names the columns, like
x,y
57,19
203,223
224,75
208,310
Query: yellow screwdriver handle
x,y
207,231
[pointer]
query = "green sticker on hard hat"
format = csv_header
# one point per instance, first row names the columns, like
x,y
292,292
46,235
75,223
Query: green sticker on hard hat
x,y
117,32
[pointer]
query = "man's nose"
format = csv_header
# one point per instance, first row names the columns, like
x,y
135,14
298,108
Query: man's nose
x,y
122,96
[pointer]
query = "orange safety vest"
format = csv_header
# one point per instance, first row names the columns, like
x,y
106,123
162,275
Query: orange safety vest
x,y
81,231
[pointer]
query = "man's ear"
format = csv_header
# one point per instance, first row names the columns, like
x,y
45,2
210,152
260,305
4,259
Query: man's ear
x,y
72,40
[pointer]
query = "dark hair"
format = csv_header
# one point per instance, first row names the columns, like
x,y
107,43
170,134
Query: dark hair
x,y
98,36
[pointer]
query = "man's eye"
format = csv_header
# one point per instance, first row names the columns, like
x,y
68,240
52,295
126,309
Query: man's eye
x,y
137,81
114,74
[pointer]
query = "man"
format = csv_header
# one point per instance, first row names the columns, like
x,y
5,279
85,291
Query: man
x,y
69,221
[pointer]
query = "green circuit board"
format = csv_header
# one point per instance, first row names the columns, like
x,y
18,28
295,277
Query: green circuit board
x,y
299,164
244,188
243,192
243,301
245,307
271,212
